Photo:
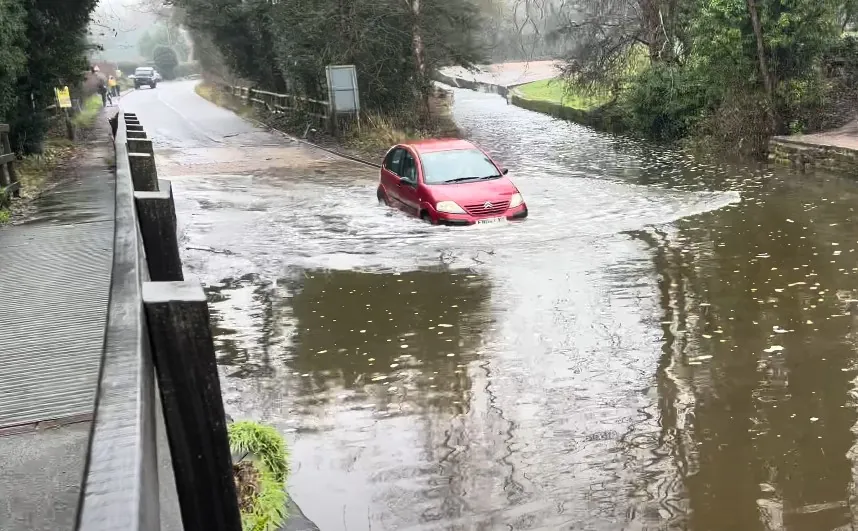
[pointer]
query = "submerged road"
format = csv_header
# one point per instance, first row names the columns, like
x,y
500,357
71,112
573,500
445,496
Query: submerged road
x,y
666,342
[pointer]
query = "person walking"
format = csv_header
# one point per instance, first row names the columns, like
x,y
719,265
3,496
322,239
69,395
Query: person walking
x,y
105,94
113,86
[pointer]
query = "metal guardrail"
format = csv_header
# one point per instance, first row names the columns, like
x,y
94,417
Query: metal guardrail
x,y
157,343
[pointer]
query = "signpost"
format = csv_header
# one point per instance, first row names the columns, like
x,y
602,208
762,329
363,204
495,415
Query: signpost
x,y
343,91
63,97
64,102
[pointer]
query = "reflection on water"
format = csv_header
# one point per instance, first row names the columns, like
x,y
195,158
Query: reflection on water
x,y
645,352
759,357
346,349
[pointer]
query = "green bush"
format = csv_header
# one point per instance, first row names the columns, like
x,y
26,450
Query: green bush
x,y
664,102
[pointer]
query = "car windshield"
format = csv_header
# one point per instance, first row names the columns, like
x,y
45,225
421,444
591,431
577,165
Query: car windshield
x,y
458,165
142,71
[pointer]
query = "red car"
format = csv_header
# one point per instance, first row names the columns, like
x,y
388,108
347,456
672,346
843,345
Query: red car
x,y
450,182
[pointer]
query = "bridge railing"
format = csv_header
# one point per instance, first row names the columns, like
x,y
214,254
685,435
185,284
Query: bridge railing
x,y
158,376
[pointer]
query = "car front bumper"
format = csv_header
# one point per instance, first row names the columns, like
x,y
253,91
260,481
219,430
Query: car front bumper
x,y
459,220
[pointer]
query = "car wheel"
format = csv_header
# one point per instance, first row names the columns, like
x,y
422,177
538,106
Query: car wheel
x,y
382,198
153,85
426,217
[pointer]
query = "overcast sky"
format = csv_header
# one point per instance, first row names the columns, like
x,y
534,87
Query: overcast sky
x,y
118,24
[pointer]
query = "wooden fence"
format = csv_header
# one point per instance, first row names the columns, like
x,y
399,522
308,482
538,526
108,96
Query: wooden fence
x,y
283,103
277,103
158,344
8,178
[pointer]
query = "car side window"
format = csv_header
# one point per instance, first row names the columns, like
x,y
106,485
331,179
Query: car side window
x,y
394,160
409,169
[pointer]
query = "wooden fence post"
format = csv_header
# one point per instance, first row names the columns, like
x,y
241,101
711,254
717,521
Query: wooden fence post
x,y
143,172
156,213
183,352
8,177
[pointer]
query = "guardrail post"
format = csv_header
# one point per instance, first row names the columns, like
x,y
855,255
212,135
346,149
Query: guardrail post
x,y
180,336
144,175
140,145
156,213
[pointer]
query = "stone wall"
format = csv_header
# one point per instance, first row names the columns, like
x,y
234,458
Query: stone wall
x,y
804,155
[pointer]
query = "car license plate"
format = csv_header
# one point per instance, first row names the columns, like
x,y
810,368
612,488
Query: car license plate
x,y
489,221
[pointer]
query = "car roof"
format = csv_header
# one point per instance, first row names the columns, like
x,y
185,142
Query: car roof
x,y
439,144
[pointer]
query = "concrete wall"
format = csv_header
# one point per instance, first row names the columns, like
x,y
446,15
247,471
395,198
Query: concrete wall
x,y
804,155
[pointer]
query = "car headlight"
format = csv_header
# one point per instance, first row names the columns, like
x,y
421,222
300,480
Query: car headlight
x,y
449,207
515,200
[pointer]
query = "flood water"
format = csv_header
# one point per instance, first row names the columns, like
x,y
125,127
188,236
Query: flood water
x,y
664,343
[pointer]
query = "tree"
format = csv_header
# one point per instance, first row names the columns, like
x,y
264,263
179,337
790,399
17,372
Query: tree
x,y
56,46
12,54
394,44
761,57
166,61
164,35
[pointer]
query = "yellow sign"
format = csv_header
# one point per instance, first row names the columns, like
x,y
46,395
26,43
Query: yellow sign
x,y
63,97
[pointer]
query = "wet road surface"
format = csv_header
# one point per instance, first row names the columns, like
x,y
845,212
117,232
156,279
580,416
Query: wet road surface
x,y
666,342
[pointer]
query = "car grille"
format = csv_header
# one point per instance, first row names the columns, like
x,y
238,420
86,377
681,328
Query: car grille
x,y
495,208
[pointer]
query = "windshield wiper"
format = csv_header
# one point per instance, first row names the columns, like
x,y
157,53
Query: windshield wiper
x,y
463,179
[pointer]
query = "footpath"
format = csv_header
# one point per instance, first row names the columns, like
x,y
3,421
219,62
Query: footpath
x,y
54,285
835,150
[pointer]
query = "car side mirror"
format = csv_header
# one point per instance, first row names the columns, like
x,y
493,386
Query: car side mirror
x,y
505,171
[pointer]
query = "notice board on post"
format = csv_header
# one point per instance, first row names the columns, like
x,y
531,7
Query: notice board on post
x,y
63,97
343,89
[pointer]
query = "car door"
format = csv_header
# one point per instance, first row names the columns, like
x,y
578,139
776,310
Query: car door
x,y
408,184
390,175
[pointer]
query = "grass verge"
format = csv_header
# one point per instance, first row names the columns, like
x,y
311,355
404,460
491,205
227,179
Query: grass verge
x,y
88,113
557,91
